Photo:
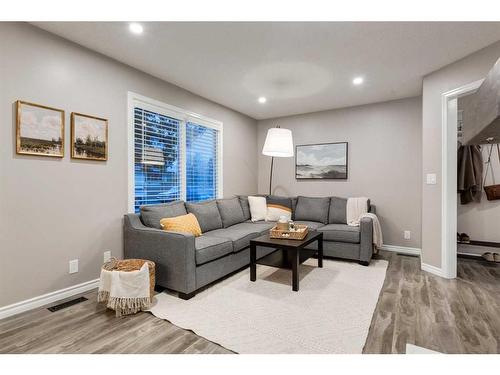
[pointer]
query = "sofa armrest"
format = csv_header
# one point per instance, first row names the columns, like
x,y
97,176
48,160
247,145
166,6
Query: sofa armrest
x,y
366,245
173,253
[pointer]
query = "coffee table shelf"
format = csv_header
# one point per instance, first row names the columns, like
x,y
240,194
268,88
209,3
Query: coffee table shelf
x,y
289,254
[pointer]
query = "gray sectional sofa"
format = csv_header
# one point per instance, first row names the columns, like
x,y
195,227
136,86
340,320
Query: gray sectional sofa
x,y
185,263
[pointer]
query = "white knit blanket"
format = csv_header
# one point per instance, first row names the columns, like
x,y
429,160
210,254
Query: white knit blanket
x,y
357,208
125,292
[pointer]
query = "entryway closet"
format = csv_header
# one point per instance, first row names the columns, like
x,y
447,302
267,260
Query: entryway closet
x,y
478,171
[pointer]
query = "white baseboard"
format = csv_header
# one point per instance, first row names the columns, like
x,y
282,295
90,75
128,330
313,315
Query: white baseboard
x,y
432,269
402,249
415,251
45,299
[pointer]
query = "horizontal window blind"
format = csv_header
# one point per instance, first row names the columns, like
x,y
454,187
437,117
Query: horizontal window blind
x,y
156,158
201,162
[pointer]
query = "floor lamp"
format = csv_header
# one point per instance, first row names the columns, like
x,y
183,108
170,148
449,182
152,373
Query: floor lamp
x,y
279,143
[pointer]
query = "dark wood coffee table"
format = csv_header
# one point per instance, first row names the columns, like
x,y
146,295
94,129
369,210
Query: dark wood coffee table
x,y
289,254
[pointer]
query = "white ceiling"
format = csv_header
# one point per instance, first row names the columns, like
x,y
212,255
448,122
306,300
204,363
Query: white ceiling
x,y
300,67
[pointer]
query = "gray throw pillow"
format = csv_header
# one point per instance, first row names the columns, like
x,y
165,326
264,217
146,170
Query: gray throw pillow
x,y
312,209
230,211
207,214
152,214
338,213
245,206
294,205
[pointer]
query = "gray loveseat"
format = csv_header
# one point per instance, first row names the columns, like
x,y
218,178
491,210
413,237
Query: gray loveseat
x,y
186,263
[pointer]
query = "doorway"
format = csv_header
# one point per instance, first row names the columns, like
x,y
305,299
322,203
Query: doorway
x,y
449,177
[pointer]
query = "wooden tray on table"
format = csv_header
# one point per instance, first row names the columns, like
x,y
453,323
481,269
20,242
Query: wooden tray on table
x,y
299,233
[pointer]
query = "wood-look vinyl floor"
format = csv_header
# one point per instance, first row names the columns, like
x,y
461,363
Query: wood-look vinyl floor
x,y
450,316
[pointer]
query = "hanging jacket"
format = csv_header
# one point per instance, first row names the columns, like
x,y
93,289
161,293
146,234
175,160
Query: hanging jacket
x,y
470,173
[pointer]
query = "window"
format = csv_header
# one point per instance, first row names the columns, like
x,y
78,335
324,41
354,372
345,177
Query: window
x,y
156,158
176,154
201,162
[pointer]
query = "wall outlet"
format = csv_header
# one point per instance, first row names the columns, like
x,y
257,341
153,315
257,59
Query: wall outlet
x,y
107,256
431,179
407,234
73,266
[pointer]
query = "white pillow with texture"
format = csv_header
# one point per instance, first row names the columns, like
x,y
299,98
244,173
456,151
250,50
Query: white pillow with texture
x,y
258,208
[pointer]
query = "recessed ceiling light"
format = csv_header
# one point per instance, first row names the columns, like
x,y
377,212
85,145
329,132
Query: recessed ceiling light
x,y
262,100
136,28
357,80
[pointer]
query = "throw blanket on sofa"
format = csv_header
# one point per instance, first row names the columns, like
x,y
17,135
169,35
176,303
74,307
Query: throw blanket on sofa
x,y
470,174
125,292
356,209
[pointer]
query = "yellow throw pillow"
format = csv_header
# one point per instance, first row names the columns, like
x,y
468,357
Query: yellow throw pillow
x,y
184,223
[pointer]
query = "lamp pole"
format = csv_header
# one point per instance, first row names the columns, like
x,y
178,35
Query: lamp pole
x,y
278,143
271,173
271,176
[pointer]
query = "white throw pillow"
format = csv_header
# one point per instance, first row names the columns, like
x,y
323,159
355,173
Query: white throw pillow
x,y
258,208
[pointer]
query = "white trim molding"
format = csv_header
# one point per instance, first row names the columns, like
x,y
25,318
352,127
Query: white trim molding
x,y
402,249
184,116
432,269
449,181
48,298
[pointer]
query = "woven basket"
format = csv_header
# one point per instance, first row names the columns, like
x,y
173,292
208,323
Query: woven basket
x,y
299,234
128,265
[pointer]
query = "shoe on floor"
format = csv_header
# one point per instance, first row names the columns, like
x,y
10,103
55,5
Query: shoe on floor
x,y
490,257
496,257
464,237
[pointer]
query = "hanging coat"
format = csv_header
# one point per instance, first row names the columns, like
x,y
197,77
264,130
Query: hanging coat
x,y
470,173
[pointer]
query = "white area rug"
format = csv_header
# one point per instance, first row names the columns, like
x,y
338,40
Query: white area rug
x,y
331,313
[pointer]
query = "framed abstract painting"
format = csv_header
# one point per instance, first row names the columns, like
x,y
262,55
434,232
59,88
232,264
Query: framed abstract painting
x,y
321,161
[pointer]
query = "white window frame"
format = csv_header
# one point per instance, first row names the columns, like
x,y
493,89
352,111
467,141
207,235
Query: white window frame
x,y
184,116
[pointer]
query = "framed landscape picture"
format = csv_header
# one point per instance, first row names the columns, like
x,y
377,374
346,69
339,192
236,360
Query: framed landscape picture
x,y
321,161
89,137
39,130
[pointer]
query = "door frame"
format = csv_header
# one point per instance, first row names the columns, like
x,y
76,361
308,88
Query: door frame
x,y
449,180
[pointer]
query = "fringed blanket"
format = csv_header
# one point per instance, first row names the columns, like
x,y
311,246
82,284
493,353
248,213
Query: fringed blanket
x,y
356,209
125,292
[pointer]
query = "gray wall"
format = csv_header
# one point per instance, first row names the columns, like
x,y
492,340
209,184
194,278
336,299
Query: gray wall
x,y
460,73
51,210
384,160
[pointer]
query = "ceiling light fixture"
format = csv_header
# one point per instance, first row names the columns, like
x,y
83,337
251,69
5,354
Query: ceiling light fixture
x,y
357,80
262,100
136,28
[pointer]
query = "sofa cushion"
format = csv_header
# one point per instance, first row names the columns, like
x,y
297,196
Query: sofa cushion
x,y
260,226
337,213
152,214
230,211
207,214
239,234
183,224
211,248
313,225
278,206
245,207
294,206
340,233
258,207
312,209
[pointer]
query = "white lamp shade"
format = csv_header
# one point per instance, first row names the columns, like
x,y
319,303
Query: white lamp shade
x,y
278,143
